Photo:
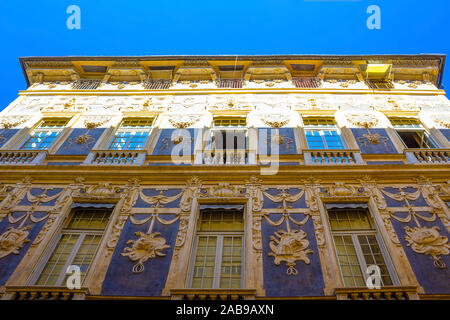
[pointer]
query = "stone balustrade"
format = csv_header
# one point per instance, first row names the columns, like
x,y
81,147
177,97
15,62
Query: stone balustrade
x,y
116,157
15,157
332,157
428,156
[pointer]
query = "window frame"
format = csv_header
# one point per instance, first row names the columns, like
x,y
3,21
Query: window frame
x,y
219,253
224,129
421,128
54,242
119,129
37,129
321,130
359,253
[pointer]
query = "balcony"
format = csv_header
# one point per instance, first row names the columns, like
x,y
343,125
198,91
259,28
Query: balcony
x,y
213,294
428,156
225,157
332,157
43,293
14,157
116,157
387,293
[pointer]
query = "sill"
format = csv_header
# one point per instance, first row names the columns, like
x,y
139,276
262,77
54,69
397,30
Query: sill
x,y
213,294
384,293
44,293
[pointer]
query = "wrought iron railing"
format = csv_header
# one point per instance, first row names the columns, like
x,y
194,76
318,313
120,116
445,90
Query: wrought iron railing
x,y
310,82
86,84
157,84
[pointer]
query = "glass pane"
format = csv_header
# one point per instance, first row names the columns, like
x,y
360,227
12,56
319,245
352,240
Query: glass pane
x,y
229,122
137,123
372,255
348,261
350,219
89,218
230,274
320,122
314,140
221,220
57,261
333,139
85,254
203,274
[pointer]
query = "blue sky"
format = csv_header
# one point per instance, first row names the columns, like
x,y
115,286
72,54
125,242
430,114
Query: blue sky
x,y
164,27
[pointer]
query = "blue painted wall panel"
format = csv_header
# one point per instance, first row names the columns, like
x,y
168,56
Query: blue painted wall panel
x,y
121,281
432,279
164,146
268,204
71,147
152,192
277,283
420,202
36,192
386,147
264,141
446,133
9,263
6,134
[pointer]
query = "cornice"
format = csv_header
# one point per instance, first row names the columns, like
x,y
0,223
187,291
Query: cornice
x,y
231,91
175,175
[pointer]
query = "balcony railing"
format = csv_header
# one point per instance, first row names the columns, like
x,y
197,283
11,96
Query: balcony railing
x,y
387,293
43,293
428,156
116,157
225,156
333,157
213,294
306,82
12,157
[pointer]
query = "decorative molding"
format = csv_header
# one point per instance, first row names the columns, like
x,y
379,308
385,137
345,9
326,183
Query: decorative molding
x,y
12,121
149,245
275,120
288,245
95,121
428,241
13,240
366,120
183,121
442,120
422,240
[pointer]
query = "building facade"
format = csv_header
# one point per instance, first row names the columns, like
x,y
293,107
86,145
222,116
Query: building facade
x,y
232,177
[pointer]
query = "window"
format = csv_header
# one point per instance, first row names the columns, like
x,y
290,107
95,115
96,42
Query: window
x,y
229,133
132,134
219,249
42,137
357,246
321,133
412,133
229,122
77,245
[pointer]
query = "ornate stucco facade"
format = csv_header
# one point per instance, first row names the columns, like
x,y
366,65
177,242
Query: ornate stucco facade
x,y
321,135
